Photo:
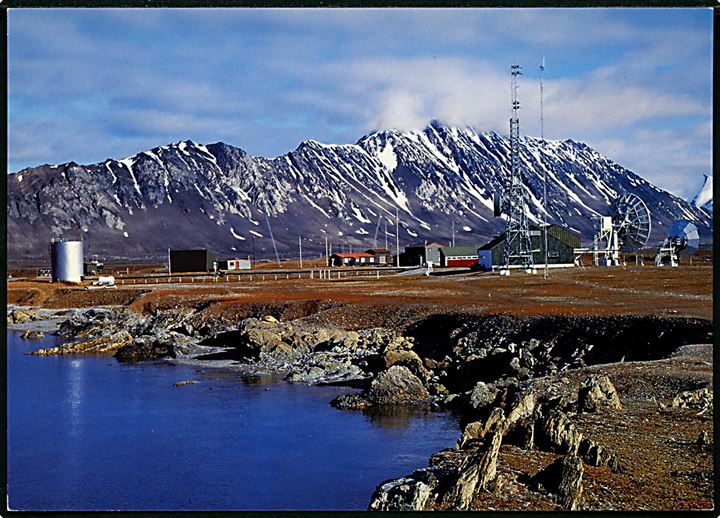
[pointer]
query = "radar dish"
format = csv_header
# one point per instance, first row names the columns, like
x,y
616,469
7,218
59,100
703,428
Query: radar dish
x,y
684,236
631,218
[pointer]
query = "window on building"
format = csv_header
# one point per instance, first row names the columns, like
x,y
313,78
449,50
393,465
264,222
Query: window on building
x,y
553,254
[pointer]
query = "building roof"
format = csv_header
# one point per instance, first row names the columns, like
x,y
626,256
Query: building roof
x,y
493,242
354,255
557,231
377,251
454,251
434,243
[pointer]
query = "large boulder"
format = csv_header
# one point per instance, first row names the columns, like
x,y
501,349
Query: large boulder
x,y
409,493
408,359
397,385
597,393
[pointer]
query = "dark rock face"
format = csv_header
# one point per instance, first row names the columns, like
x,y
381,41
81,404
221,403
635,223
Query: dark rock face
x,y
562,478
492,347
218,193
145,351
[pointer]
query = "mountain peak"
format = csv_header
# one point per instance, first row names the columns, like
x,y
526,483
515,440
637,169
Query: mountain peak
x,y
704,198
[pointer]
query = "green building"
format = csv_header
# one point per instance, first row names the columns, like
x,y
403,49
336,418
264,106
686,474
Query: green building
x,y
561,245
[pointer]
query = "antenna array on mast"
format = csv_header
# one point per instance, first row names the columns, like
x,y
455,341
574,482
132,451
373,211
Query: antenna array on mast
x,y
518,247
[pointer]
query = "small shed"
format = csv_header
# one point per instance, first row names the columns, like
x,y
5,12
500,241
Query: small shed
x,y
201,260
234,264
352,259
459,256
561,243
92,268
381,256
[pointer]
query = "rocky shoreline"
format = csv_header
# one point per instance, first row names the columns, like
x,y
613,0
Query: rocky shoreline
x,y
527,385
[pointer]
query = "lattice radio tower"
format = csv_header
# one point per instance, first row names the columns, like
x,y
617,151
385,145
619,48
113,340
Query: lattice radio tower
x,y
518,247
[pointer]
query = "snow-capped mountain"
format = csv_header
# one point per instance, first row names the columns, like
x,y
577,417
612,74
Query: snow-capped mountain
x,y
704,198
217,196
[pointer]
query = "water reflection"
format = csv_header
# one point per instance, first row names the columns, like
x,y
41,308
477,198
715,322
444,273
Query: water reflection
x,y
75,391
394,417
89,433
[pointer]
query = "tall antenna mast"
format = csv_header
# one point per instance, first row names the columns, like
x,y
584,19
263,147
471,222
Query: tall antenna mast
x,y
386,245
453,232
518,248
542,142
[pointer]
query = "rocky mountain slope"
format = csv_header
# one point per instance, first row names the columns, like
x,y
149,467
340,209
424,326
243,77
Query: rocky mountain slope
x,y
191,195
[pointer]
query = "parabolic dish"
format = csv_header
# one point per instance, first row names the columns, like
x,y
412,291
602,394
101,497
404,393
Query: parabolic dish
x,y
686,235
631,218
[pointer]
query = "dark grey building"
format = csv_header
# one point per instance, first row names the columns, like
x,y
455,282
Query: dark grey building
x,y
420,254
561,243
192,261
382,256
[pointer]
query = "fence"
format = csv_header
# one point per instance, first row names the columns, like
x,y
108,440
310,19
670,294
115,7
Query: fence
x,y
320,275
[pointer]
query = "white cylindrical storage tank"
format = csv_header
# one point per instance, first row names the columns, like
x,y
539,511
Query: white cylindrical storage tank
x,y
67,261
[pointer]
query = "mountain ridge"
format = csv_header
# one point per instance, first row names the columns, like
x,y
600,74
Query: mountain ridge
x,y
188,194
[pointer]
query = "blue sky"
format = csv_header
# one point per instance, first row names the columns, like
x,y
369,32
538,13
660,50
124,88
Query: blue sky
x,y
90,84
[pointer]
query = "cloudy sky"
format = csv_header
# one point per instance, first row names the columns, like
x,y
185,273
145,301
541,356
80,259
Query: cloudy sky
x,y
90,84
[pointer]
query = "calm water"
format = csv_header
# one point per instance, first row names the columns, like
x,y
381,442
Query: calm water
x,y
89,433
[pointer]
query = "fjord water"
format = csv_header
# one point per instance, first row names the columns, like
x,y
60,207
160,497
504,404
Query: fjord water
x,y
87,433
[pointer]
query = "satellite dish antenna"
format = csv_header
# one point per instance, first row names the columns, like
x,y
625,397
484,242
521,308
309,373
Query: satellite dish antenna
x,y
682,240
627,229
631,220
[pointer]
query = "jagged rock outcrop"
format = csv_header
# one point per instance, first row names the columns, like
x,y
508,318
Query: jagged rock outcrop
x,y
20,316
563,479
102,345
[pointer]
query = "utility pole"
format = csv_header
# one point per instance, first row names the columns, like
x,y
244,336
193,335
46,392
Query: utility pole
x,y
453,232
327,255
253,249
397,236
386,235
300,248
169,264
542,142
